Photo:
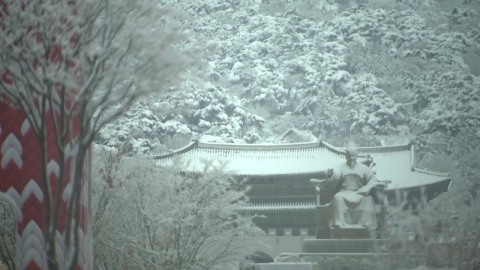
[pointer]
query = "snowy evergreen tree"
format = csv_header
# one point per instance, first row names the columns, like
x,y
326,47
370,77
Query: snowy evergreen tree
x,y
146,217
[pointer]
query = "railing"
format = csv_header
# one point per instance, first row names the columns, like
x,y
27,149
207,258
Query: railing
x,y
263,191
318,183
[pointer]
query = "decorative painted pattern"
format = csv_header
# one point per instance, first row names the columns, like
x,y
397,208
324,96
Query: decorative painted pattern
x,y
21,186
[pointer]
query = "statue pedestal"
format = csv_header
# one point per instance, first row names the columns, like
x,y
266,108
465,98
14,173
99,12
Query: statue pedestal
x,y
352,261
341,245
347,232
348,254
352,232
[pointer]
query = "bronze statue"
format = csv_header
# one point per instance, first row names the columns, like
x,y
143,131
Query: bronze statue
x,y
352,182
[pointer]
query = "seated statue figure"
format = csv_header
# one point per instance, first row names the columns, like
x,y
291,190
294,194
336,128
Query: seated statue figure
x,y
352,182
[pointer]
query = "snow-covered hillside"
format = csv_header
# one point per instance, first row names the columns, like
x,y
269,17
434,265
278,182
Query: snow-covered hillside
x,y
369,67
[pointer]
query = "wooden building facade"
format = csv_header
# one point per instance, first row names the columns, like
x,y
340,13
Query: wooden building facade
x,y
279,175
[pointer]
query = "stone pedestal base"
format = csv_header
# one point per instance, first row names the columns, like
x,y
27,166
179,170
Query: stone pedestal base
x,y
341,245
352,232
349,261
350,254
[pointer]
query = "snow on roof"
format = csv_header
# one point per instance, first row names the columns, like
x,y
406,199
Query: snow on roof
x,y
305,135
395,163
389,140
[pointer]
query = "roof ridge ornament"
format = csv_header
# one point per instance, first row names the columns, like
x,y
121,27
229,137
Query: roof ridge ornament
x,y
351,148
195,140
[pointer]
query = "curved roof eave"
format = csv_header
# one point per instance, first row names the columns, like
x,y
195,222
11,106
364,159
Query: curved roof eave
x,y
283,146
182,150
440,180
441,177
266,160
415,169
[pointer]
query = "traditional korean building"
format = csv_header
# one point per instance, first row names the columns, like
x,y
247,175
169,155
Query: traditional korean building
x,y
295,135
279,175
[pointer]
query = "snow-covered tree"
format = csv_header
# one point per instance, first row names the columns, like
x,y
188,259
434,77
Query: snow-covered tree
x,y
7,237
79,65
446,232
279,61
448,102
146,217
461,155
209,113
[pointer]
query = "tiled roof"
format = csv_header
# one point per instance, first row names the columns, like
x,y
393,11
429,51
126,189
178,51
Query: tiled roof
x,y
388,140
272,206
305,135
393,163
